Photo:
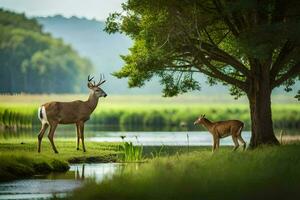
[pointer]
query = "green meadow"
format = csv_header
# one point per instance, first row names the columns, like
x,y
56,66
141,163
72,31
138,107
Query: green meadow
x,y
162,172
149,111
264,173
20,112
19,157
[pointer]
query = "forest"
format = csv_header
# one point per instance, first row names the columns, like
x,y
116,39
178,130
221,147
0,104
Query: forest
x,y
34,62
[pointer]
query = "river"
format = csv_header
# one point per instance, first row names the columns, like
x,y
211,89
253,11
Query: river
x,y
56,184
59,184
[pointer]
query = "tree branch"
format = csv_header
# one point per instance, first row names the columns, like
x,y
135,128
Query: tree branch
x,y
214,73
180,70
292,72
221,40
219,75
212,49
179,66
167,40
210,39
287,48
227,21
226,58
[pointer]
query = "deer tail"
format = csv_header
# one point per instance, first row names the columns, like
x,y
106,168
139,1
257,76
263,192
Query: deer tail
x,y
42,115
241,128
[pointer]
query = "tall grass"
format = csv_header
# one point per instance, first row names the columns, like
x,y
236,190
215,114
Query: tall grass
x,y
149,111
131,153
267,173
18,116
155,115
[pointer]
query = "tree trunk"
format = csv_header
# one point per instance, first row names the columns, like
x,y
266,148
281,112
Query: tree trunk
x,y
259,97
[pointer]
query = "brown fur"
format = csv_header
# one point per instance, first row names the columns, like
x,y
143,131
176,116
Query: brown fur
x,y
223,129
75,112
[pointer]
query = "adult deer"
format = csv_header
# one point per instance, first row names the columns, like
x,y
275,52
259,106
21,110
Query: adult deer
x,y
223,129
77,112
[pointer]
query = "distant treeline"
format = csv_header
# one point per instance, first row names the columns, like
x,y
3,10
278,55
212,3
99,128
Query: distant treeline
x,y
32,61
284,117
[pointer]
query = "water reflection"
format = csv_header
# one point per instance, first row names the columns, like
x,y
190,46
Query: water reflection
x,y
94,171
203,138
58,184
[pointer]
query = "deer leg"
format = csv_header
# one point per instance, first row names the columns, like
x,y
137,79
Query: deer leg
x,y
242,141
214,143
82,135
78,134
51,134
236,143
218,143
41,134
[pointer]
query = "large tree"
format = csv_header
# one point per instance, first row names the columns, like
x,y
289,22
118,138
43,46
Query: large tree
x,y
251,46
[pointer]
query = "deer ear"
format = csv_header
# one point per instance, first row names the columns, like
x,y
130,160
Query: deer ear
x,y
204,115
90,85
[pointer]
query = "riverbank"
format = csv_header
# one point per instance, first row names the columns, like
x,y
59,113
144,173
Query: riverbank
x,y
19,157
264,173
21,160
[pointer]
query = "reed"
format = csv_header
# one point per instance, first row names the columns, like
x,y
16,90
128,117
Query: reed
x,y
131,153
154,115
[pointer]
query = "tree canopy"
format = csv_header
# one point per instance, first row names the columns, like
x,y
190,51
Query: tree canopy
x,y
251,46
34,62
221,39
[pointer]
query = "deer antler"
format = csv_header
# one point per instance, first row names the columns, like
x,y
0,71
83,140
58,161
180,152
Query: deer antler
x,y
101,81
89,79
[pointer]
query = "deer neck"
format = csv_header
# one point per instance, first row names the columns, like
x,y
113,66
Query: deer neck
x,y
208,124
92,101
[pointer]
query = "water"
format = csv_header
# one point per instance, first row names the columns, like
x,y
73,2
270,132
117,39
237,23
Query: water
x,y
58,184
43,187
145,138
177,137
201,138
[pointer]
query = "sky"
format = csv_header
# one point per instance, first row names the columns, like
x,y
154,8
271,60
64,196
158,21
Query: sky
x,y
91,9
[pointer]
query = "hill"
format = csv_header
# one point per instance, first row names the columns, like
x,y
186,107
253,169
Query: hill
x,y
32,61
104,50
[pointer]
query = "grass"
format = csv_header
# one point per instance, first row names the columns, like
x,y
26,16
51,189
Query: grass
x,y
131,153
266,173
19,157
140,99
129,111
21,165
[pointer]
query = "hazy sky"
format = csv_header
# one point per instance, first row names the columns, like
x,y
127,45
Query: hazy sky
x,y
98,9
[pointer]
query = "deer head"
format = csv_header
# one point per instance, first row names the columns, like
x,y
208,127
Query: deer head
x,y
95,88
200,120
